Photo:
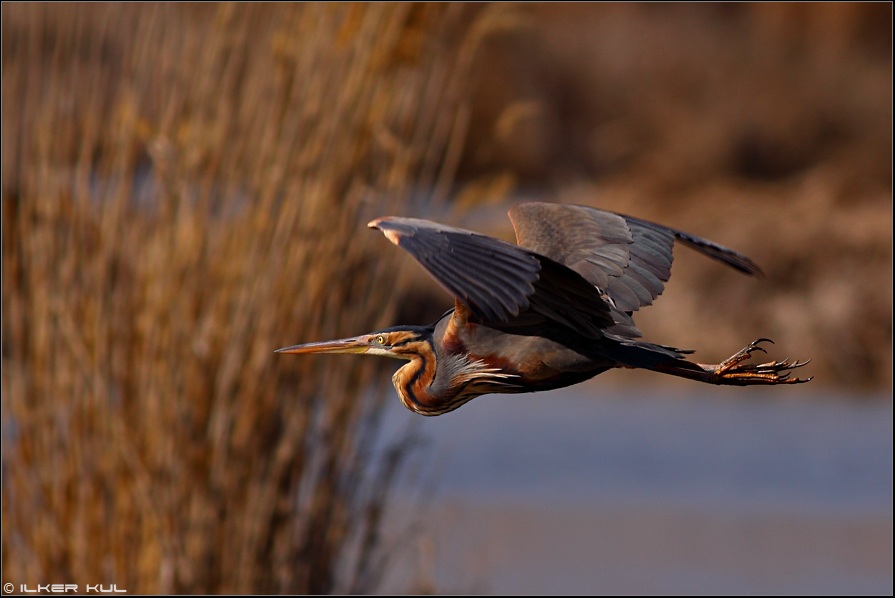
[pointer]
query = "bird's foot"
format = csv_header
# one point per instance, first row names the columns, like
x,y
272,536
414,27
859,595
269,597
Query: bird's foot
x,y
732,371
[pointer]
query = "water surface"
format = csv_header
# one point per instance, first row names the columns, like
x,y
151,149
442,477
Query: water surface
x,y
603,490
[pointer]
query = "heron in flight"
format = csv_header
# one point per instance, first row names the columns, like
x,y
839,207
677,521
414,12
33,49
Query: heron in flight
x,y
552,311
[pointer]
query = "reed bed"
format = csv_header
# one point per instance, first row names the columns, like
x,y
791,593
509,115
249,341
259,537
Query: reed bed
x,y
185,189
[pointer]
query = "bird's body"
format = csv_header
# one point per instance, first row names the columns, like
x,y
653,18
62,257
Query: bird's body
x,y
474,359
552,311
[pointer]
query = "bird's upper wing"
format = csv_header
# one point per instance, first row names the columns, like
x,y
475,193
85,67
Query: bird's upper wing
x,y
628,259
498,282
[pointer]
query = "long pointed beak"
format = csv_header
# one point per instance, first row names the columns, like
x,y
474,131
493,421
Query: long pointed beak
x,y
355,344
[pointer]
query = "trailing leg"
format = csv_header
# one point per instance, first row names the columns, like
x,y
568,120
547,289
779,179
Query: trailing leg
x,y
732,371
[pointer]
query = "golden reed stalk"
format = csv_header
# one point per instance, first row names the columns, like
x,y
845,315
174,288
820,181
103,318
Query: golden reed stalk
x,y
183,186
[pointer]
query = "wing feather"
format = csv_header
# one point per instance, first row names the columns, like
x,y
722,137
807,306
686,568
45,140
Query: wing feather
x,y
586,269
497,282
629,259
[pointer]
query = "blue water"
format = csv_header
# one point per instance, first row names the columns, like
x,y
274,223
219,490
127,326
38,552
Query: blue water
x,y
793,486
755,448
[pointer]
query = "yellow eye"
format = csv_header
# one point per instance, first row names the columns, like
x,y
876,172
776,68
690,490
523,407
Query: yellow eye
x,y
380,339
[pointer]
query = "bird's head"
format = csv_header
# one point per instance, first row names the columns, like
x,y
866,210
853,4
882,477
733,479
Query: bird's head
x,y
400,342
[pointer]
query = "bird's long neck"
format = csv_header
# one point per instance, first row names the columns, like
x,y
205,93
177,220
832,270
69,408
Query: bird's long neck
x,y
433,383
413,382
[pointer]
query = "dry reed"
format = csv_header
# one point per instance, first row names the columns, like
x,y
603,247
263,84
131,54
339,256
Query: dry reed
x,y
185,189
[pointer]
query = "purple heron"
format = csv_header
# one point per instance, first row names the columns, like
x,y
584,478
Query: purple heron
x,y
552,311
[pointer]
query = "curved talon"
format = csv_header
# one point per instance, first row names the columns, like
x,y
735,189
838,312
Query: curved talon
x,y
733,371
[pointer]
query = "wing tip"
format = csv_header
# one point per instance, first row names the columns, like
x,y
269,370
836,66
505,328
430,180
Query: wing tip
x,y
740,262
390,233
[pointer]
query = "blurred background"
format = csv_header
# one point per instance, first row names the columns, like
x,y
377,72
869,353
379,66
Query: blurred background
x,y
185,189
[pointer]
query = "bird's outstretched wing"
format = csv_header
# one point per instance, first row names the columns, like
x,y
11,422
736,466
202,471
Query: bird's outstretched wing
x,y
581,267
497,282
628,259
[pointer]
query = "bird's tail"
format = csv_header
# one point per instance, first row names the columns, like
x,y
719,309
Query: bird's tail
x,y
639,354
733,371
633,353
